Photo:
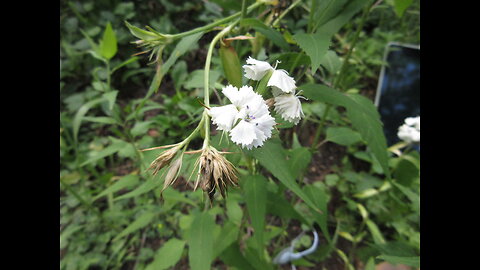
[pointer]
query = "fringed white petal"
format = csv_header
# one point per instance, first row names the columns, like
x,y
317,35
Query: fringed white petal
x,y
243,133
289,107
282,80
231,92
256,69
224,116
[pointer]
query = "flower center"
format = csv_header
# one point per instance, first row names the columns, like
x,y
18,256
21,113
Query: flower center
x,y
249,117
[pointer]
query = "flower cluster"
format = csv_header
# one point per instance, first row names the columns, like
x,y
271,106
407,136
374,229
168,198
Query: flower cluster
x,y
247,118
410,131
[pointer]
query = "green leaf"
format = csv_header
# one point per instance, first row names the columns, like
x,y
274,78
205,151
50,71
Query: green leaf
x,y
256,198
271,34
361,112
234,211
77,120
231,65
110,150
111,96
406,172
343,136
272,156
151,183
108,44
124,63
100,119
137,224
279,206
299,159
124,182
319,197
233,257
291,60
326,10
370,264
200,241
315,46
140,128
168,255
331,62
411,261
195,79
333,25
184,45
140,33
376,234
228,235
401,5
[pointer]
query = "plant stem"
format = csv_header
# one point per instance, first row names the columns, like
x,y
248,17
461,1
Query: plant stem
x,y
292,5
210,26
313,6
244,9
206,78
340,76
108,75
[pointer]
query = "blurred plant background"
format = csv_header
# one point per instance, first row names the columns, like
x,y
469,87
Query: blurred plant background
x,y
112,213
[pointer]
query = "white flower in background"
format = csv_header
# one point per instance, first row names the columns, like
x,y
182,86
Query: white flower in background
x,y
247,118
410,131
280,79
289,107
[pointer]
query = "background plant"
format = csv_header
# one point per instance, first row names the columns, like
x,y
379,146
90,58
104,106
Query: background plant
x,y
115,101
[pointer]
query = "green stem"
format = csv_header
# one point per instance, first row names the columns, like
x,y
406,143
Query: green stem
x,y
210,26
206,79
340,76
108,75
277,20
319,130
313,6
244,9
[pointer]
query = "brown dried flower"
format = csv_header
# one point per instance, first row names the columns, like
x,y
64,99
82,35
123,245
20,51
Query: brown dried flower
x,y
172,173
163,159
215,172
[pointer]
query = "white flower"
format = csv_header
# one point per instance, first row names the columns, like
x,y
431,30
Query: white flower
x,y
256,69
289,107
280,79
410,131
247,118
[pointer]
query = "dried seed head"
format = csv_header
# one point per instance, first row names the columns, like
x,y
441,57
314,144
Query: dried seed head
x,y
172,173
270,102
163,159
215,172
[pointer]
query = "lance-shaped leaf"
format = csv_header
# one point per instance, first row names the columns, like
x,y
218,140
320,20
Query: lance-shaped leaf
x,y
168,255
272,156
256,199
200,241
108,44
273,35
231,65
139,223
361,112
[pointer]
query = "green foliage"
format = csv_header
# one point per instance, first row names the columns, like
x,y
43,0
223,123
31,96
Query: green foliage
x,y
118,97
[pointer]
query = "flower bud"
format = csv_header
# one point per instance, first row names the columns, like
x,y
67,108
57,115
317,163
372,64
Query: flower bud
x,y
163,159
172,173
